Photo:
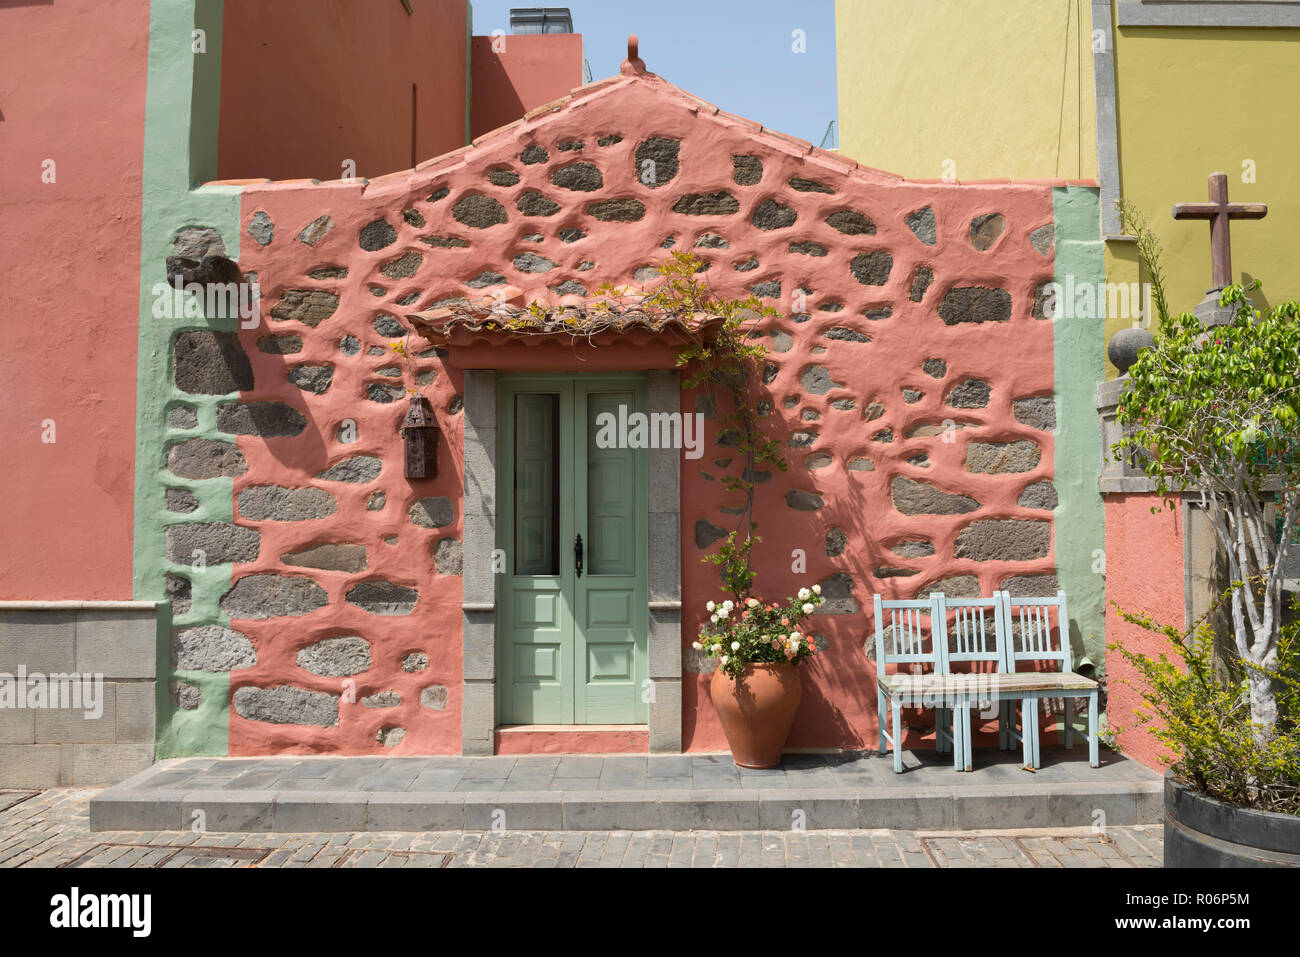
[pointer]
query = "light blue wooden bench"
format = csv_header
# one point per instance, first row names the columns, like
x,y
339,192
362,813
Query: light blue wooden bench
x,y
1000,634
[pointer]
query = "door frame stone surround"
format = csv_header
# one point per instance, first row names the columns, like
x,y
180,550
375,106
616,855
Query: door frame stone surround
x,y
478,604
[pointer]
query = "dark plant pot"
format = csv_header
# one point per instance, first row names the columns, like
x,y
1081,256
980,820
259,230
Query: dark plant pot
x,y
1203,832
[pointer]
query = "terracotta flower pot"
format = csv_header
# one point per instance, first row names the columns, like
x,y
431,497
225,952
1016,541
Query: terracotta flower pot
x,y
757,710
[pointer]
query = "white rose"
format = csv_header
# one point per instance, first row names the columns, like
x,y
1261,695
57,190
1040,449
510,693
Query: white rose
x,y
728,604
803,594
716,649
713,618
794,646
710,606
794,636
724,659
817,589
807,608
696,645
723,612
752,602
735,646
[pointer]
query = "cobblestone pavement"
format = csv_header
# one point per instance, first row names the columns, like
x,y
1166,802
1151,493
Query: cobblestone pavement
x,y
50,829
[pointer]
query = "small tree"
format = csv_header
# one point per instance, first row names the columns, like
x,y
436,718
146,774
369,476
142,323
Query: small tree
x,y
1214,413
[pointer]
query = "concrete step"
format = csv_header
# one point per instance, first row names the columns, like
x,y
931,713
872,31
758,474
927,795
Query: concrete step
x,y
623,792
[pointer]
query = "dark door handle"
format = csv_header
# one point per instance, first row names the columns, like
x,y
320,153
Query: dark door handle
x,y
577,555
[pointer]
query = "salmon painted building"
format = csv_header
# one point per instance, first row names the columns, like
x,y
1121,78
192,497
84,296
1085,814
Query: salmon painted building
x,y
295,589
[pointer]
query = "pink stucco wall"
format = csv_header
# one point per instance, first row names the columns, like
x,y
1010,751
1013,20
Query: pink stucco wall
x,y
516,73
1144,574
824,380
73,96
308,84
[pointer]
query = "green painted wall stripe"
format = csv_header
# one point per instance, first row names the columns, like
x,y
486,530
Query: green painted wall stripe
x,y
1079,368
180,142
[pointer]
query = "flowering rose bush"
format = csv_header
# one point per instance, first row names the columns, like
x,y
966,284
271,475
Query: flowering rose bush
x,y
752,631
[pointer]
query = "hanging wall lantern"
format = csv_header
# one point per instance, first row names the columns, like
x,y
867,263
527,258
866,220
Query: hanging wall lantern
x,y
420,432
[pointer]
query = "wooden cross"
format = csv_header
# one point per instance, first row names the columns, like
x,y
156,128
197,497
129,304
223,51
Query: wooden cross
x,y
1220,213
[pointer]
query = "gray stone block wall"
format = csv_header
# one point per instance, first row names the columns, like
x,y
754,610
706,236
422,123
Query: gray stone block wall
x,y
100,737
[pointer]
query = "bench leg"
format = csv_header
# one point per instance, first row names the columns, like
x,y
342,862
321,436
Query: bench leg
x,y
1038,732
1027,732
1094,758
882,715
967,737
1068,731
898,736
1002,725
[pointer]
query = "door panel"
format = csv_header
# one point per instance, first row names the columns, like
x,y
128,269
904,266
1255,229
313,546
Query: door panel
x,y
571,649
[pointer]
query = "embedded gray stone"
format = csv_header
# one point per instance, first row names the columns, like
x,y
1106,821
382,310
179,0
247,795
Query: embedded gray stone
x,y
382,699
447,558
837,595
957,586
884,435
712,241
311,307
818,460
1044,307
975,304
182,417
1004,540
969,394
802,439
935,368
356,470
851,223
316,230
276,503
770,215
211,363
415,661
533,263
313,379
376,502
333,558
747,170
195,242
280,345
985,230
911,396
287,704
436,512
180,500
999,457
485,279
845,334
377,235
922,225
609,140
913,548
266,419
803,501
808,249
837,540
646,274
579,177
444,242
1032,586
875,314
569,288
380,597
657,161
336,657
390,327
185,696
817,380
261,228
329,272
273,596
403,267
1041,239
872,269
383,394
211,648
205,459
349,345
533,155
390,737
920,283
713,204
1039,495
706,533
479,212
533,203
748,265
220,543
767,290
801,185
1037,412
860,464
434,697
873,411
921,498
180,592
502,177
618,210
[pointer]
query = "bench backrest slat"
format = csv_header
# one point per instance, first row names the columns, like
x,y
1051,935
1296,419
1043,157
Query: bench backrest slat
x,y
1031,634
904,631
975,631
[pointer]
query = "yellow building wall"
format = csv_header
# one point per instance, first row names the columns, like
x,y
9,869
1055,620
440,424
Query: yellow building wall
x,y
979,89
1195,100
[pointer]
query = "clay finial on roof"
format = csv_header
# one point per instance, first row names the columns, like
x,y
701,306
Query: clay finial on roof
x,y
633,64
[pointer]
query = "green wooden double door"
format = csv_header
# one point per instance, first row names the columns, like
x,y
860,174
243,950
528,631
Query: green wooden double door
x,y
572,534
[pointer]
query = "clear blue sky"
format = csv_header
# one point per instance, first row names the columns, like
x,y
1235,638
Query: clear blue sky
x,y
735,53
